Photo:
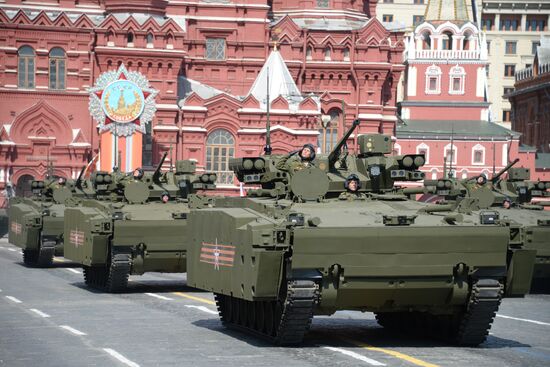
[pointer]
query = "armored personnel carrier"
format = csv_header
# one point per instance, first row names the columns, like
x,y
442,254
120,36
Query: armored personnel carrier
x,y
36,223
302,245
135,225
510,201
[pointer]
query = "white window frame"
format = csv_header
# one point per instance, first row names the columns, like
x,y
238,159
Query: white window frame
x,y
455,153
433,71
478,148
396,148
424,147
457,72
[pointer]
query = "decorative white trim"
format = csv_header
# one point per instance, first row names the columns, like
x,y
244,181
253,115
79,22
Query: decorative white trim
x,y
397,148
504,154
165,128
478,148
457,71
194,129
426,148
433,71
279,127
455,153
193,108
411,83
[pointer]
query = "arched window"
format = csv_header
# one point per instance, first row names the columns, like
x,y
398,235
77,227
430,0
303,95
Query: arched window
x,y
450,154
23,186
447,41
433,80
110,37
25,68
424,149
457,75
130,39
346,54
478,154
327,54
169,41
149,39
426,41
220,146
309,53
57,68
328,136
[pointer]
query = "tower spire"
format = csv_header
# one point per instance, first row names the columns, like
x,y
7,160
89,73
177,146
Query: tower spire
x,y
447,10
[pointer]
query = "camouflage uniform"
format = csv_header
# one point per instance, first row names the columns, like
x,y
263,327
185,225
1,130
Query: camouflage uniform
x,y
292,163
351,196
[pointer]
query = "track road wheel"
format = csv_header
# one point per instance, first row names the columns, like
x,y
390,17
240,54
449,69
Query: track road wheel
x,y
45,254
118,272
30,257
284,321
474,323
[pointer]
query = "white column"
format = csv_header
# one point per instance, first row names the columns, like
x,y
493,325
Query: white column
x,y
523,22
497,22
2,175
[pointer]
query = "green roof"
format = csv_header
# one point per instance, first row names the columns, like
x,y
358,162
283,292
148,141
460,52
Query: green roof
x,y
460,129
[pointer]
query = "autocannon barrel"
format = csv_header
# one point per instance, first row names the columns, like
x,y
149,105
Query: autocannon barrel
x,y
333,155
504,170
156,175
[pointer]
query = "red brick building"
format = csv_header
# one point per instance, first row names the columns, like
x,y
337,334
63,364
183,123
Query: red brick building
x,y
204,58
445,112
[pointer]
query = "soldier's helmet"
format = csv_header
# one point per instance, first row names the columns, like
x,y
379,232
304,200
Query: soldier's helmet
x,y
352,177
311,149
138,173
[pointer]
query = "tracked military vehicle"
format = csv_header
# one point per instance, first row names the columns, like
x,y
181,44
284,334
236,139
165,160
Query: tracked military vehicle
x,y
510,201
36,223
295,248
129,229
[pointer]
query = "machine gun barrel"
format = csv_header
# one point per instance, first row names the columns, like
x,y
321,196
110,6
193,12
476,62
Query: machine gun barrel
x,y
333,156
503,171
78,182
156,175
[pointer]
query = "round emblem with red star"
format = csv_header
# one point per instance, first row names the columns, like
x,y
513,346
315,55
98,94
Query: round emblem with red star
x,y
124,100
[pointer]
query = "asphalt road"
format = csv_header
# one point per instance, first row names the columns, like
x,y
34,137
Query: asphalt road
x,y
49,318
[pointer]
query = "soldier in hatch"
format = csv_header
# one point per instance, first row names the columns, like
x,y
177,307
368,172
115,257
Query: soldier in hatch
x,y
352,185
507,203
481,180
292,163
138,173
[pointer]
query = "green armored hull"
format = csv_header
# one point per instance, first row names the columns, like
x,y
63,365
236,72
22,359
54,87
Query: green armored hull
x,y
332,233
150,234
37,228
137,224
348,257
